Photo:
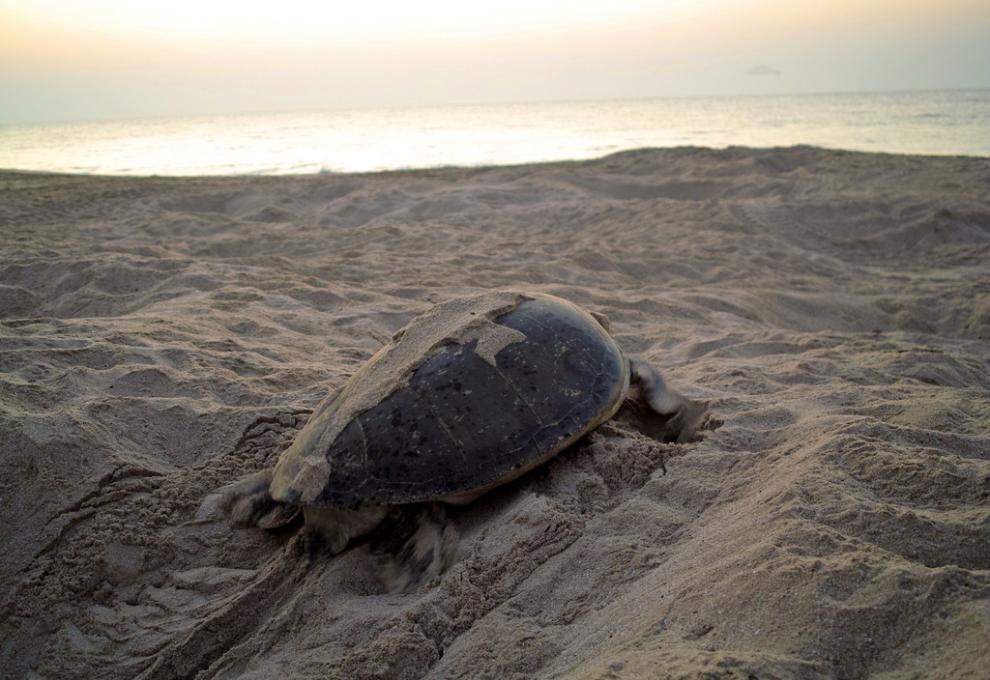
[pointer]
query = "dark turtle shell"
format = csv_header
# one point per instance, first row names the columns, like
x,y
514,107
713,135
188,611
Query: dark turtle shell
x,y
461,425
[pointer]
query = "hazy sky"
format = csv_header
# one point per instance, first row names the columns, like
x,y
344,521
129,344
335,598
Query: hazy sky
x,y
86,59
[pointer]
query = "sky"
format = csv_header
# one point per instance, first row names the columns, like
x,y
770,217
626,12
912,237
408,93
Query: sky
x,y
64,60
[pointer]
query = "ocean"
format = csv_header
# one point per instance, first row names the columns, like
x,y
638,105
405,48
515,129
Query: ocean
x,y
953,122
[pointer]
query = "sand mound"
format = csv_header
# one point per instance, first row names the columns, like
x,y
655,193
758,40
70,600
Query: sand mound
x,y
161,337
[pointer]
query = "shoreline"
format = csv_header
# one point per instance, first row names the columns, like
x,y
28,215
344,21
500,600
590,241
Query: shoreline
x,y
429,170
935,123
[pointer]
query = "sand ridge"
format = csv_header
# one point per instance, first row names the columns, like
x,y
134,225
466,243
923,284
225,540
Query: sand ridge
x,y
162,337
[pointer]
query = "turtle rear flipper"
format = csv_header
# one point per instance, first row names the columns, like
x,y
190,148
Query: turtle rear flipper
x,y
684,418
248,502
414,545
661,398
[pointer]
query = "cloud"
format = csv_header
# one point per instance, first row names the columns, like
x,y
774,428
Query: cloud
x,y
763,70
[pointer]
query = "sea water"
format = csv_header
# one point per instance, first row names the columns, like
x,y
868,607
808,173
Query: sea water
x,y
940,122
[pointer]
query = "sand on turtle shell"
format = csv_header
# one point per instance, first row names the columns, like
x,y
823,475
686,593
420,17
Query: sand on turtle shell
x,y
304,469
162,337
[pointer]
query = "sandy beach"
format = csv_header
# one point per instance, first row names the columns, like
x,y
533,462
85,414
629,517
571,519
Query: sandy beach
x,y
160,337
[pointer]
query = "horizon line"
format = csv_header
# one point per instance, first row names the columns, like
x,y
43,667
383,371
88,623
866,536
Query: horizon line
x,y
465,104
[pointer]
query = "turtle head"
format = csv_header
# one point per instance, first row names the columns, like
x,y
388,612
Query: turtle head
x,y
603,321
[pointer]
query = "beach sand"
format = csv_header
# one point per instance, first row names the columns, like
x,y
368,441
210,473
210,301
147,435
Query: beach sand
x,y
163,336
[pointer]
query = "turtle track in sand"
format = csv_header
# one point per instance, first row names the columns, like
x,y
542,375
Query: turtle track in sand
x,y
128,560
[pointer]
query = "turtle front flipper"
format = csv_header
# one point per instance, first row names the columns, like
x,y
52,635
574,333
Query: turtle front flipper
x,y
661,398
248,502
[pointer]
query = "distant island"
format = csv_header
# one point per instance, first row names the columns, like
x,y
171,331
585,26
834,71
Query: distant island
x,y
763,70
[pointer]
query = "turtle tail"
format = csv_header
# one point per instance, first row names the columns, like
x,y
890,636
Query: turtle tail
x,y
248,502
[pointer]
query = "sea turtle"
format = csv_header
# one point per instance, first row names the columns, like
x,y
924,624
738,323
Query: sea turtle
x,y
467,397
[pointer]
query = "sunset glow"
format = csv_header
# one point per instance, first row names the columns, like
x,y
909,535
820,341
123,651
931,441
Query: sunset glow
x,y
164,57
